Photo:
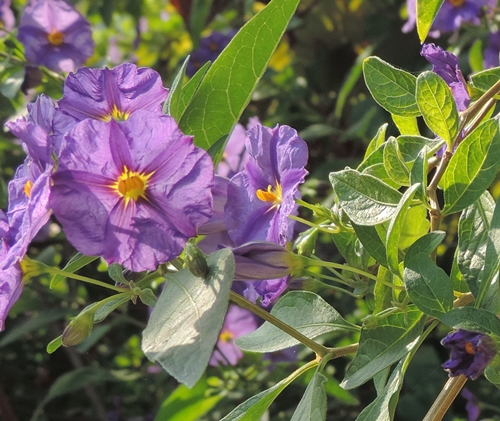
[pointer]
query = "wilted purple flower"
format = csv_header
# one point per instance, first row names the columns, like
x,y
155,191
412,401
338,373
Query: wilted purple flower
x,y
55,35
238,322
472,405
445,64
133,191
263,195
492,52
7,19
451,15
471,352
209,49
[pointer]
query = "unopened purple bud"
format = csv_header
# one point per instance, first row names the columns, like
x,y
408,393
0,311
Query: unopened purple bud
x,y
471,352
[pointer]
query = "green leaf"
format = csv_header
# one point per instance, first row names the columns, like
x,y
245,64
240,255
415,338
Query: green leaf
x,y
115,272
470,318
105,307
393,89
384,405
186,321
54,345
200,11
228,85
187,92
255,407
415,226
406,125
365,199
492,372
418,174
312,406
428,286
425,244
383,345
473,228
171,105
377,141
411,146
486,79
426,13
394,230
185,404
78,261
472,167
371,241
148,297
437,105
305,311
11,82
394,163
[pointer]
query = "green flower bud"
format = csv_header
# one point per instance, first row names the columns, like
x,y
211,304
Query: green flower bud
x,y
78,329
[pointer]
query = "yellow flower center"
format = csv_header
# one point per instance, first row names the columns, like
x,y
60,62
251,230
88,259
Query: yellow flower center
x,y
27,188
271,195
457,3
469,348
131,185
119,115
55,37
226,336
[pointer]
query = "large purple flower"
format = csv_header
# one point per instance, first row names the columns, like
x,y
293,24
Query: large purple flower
x,y
471,352
238,322
132,191
55,35
263,195
7,19
445,64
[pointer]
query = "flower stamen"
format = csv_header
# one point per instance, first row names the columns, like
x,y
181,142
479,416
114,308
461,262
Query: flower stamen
x,y
27,188
271,195
131,185
55,37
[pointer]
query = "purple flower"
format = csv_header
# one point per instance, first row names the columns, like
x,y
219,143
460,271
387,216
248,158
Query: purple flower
x,y
238,322
209,49
472,405
217,224
133,191
451,15
471,352
7,19
445,65
492,52
262,197
55,35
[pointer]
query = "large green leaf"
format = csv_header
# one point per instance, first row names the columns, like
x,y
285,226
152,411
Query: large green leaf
x,y
364,198
426,12
428,285
438,108
228,85
392,88
472,168
312,406
470,318
383,345
305,311
185,323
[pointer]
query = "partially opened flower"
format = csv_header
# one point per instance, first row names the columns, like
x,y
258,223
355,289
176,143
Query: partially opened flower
x,y
471,352
133,192
55,35
238,322
7,19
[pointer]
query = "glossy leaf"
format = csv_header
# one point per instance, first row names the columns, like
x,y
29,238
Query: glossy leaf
x,y
229,83
486,79
470,318
312,406
383,345
406,125
472,168
392,88
426,13
437,105
185,323
305,311
365,199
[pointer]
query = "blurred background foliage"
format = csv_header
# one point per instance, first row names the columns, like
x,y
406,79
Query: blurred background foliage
x,y
314,84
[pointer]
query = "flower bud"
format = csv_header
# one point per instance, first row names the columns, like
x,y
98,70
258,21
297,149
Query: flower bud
x,y
306,242
32,268
263,260
78,329
196,261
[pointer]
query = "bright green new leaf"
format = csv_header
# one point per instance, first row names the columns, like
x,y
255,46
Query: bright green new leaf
x,y
472,167
415,225
394,230
406,125
305,311
411,146
438,108
185,323
470,318
378,140
418,174
383,345
312,406
394,163
228,85
365,199
428,285
392,88
426,13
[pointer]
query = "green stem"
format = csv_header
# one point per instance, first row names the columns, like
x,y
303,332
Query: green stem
x,y
327,229
334,287
320,350
342,351
475,108
56,271
443,402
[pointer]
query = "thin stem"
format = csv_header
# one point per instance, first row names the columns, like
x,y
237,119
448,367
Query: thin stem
x,y
443,402
335,288
320,350
342,351
327,229
479,117
470,112
56,271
